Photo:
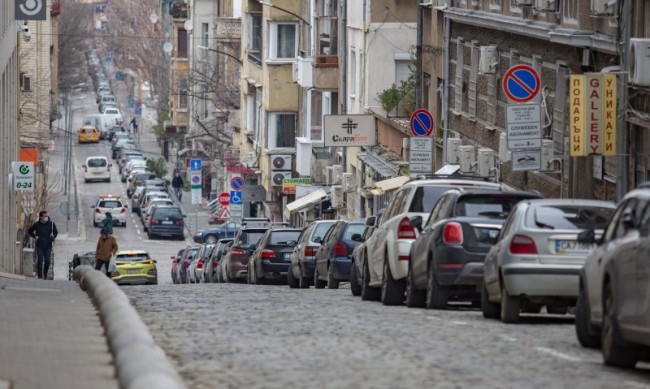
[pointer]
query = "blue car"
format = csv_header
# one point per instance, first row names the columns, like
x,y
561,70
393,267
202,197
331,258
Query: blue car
x,y
212,234
334,256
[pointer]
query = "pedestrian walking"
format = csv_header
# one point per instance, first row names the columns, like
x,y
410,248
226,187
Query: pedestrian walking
x,y
45,232
134,124
106,248
107,223
177,184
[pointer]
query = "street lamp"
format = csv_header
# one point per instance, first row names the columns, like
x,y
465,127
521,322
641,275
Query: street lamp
x,y
271,5
220,52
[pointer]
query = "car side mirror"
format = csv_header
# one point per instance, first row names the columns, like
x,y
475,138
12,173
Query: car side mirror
x,y
587,237
628,219
416,222
251,247
356,237
318,239
370,221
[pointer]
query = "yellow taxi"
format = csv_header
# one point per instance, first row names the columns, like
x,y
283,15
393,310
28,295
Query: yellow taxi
x,y
88,134
135,267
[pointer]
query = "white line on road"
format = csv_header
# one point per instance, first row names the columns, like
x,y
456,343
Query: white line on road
x,y
558,354
508,338
460,323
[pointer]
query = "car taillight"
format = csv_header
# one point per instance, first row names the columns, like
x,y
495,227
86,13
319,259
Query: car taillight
x,y
152,272
452,233
215,263
237,251
522,244
154,221
123,160
267,254
405,230
123,210
199,264
97,210
340,249
180,222
310,251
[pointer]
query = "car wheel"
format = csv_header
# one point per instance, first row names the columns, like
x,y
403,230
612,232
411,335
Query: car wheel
x,y
95,224
355,287
304,282
437,295
225,277
510,306
124,224
318,283
614,353
414,298
557,310
291,279
149,235
392,292
86,180
490,310
332,283
210,239
368,293
174,278
584,330
109,180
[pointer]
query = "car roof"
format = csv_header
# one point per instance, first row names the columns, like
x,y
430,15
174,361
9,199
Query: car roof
x,y
641,192
587,202
109,197
450,181
96,157
126,252
478,191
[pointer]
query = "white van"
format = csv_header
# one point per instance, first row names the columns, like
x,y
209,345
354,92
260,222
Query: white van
x,y
97,168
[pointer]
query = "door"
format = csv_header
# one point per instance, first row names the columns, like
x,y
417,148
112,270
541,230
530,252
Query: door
x,y
375,258
642,259
326,247
622,267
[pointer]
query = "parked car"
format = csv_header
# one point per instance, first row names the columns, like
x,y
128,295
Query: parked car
x,y
121,143
114,130
132,165
155,202
612,310
302,258
136,196
135,267
272,256
106,100
212,234
235,262
147,197
127,155
138,179
112,204
183,264
97,168
446,259
537,258
212,269
333,258
359,253
88,134
166,221
175,261
389,246
195,270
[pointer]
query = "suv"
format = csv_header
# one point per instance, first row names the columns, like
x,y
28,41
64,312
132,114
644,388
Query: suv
x,y
212,234
97,168
166,221
235,262
112,204
388,248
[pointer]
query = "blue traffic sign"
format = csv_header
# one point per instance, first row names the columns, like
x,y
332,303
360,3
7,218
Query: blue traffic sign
x,y
237,183
421,123
138,111
195,164
235,197
521,83
131,102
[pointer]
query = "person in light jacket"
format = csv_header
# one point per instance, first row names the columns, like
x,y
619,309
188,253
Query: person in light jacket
x,y
106,248
45,232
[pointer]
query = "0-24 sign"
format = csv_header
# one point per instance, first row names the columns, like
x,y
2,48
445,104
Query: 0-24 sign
x,y
23,174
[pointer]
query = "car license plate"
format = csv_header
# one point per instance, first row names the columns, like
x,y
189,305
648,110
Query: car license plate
x,y
287,256
167,222
572,247
132,271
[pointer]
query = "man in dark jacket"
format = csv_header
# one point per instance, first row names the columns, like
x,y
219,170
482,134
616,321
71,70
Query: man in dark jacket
x,y
177,184
45,232
106,248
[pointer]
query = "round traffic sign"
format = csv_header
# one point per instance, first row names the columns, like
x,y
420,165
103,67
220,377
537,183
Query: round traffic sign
x,y
521,83
224,198
237,183
421,123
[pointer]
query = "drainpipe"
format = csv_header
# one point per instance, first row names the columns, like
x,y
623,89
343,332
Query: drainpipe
x,y
445,93
622,144
344,56
418,58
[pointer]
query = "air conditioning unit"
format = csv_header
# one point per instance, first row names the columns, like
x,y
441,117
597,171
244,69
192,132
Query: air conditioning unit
x,y
467,157
485,163
523,3
545,5
547,155
504,154
295,72
278,177
640,61
280,162
336,197
452,150
347,182
334,174
602,7
488,61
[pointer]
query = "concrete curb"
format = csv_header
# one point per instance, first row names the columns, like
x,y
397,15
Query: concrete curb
x,y
139,362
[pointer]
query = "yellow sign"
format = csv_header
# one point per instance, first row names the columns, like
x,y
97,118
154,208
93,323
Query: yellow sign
x,y
593,114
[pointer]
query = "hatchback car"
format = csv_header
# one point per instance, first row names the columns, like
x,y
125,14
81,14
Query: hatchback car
x,y
333,259
132,165
112,204
212,234
166,221
175,261
138,179
135,267
612,310
212,267
272,256
302,258
145,214
446,259
88,134
359,253
537,258
183,264
195,270
235,262
97,168
121,143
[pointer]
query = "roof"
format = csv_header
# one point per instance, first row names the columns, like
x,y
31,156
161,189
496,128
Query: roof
x,y
109,196
312,198
381,187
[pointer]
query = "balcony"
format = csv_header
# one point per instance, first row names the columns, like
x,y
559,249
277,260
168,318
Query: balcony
x,y
178,10
327,42
308,74
56,8
228,29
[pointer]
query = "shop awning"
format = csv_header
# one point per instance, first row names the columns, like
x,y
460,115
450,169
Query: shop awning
x,y
314,197
378,164
384,186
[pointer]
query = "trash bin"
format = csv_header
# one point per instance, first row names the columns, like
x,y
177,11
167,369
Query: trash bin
x,y
27,262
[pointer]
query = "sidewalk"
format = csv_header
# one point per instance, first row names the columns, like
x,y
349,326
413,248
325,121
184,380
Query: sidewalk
x,y
51,336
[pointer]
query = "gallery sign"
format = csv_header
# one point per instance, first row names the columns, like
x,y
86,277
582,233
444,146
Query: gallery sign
x,y
593,114
349,130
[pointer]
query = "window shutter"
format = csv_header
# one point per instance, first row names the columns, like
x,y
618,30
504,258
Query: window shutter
x,y
473,74
458,86
559,108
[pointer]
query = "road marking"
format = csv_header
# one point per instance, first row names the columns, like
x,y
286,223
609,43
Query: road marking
x,y
558,354
508,338
460,323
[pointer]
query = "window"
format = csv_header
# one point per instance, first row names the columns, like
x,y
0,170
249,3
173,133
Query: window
x,y
570,11
255,45
283,41
353,72
495,5
182,95
250,112
258,113
402,67
205,35
182,43
282,130
316,116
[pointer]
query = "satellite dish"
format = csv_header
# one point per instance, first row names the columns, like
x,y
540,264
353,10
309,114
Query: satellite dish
x,y
154,18
167,47
188,25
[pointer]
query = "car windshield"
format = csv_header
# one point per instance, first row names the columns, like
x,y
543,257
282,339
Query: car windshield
x,y
282,237
497,206
570,217
353,229
249,237
97,162
426,197
321,230
109,204
171,213
132,257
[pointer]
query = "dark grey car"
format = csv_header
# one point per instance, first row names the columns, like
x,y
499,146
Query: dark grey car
x,y
166,221
302,258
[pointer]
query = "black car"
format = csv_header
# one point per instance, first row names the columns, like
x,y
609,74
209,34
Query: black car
x,y
114,130
334,256
272,256
446,259
166,221
212,234
235,262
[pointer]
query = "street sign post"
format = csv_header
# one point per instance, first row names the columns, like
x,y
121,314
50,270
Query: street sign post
x,y
23,176
237,183
523,160
196,164
224,198
235,197
236,213
252,193
421,155
421,123
196,185
224,214
521,83
524,126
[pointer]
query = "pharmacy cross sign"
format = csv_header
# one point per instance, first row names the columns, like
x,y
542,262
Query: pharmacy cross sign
x,y
349,126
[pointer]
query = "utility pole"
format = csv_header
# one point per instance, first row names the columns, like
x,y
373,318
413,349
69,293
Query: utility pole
x,y
622,173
